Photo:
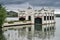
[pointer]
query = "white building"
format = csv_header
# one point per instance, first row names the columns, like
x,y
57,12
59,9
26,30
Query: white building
x,y
42,16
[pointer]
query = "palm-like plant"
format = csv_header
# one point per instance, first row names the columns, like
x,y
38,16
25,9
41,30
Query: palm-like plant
x,y
2,15
2,18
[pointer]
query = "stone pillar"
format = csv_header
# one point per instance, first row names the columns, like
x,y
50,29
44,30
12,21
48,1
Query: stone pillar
x,y
49,17
32,19
46,18
26,17
54,17
42,19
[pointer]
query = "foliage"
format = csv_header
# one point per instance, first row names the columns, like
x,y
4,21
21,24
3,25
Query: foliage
x,y
2,15
11,22
2,19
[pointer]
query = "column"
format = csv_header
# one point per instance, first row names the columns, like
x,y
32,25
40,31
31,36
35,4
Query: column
x,y
54,17
49,17
32,19
46,18
26,17
42,18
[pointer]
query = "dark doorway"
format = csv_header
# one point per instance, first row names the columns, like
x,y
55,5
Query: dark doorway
x,y
22,18
29,18
38,20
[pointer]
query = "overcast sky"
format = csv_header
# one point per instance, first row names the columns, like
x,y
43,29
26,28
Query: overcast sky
x,y
54,3
48,3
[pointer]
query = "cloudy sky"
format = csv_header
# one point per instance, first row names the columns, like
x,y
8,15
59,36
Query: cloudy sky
x,y
48,3
55,3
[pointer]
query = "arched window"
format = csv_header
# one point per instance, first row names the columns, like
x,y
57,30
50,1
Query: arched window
x,y
29,18
50,17
47,17
44,17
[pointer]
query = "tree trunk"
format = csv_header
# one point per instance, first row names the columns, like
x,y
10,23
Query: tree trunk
x,y
0,28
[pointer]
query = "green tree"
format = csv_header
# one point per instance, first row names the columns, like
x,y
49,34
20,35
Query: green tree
x,y
2,15
2,18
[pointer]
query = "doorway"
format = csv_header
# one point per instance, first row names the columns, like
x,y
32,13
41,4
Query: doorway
x,y
38,20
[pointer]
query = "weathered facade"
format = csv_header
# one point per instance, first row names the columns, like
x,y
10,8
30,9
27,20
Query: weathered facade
x,y
42,16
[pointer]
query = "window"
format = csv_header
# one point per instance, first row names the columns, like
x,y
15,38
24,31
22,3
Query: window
x,y
47,17
44,17
50,17
29,18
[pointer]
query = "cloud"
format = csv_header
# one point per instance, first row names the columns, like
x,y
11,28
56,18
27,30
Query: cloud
x,y
13,1
45,2
54,3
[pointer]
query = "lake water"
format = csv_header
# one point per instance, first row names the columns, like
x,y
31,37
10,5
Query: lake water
x,y
33,32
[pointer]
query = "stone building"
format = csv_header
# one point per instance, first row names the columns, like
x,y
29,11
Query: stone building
x,y
40,16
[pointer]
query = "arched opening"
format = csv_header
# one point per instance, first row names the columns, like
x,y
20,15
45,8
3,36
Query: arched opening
x,y
38,20
22,18
29,18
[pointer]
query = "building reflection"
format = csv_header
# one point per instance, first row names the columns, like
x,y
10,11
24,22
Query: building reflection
x,y
46,31
31,32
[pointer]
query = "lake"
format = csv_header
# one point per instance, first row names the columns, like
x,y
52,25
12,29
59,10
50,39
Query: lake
x,y
33,32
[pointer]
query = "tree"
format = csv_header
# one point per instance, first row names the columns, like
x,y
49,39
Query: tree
x,y
2,15
2,19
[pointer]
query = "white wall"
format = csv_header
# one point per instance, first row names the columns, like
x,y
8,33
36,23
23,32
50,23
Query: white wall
x,y
12,18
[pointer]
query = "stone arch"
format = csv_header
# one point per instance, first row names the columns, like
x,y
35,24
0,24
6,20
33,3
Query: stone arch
x,y
22,18
38,20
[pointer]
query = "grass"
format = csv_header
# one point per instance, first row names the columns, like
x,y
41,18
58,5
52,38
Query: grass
x,y
10,22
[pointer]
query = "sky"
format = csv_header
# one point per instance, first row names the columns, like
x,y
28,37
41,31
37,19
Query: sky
x,y
55,3
15,4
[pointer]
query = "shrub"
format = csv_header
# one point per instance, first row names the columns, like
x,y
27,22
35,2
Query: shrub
x,y
10,22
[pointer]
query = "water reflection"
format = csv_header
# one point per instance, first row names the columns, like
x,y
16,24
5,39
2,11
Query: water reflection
x,y
30,32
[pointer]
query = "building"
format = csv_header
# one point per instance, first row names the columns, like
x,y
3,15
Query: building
x,y
40,16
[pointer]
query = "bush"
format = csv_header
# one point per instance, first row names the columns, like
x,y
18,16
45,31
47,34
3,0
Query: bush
x,y
10,22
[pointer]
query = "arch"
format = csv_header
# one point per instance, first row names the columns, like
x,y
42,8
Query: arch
x,y
38,20
29,18
22,18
